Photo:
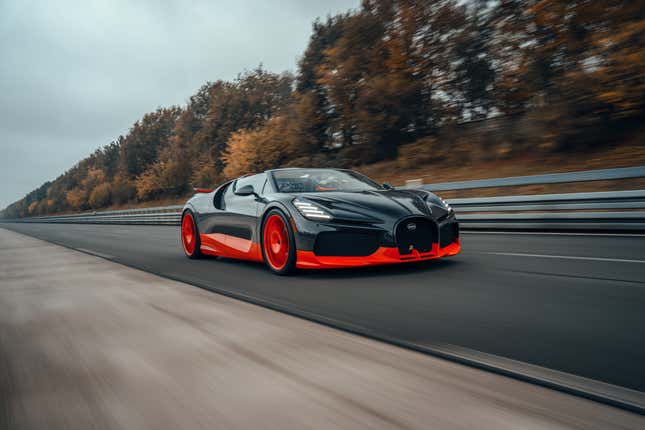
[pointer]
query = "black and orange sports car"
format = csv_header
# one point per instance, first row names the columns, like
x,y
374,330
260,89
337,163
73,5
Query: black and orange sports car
x,y
317,218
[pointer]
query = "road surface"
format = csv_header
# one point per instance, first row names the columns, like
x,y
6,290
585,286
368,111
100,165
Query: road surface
x,y
573,303
87,343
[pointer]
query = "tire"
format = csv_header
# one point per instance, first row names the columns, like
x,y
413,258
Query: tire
x,y
278,243
189,236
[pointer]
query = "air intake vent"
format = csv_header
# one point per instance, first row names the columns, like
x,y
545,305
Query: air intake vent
x,y
346,244
448,234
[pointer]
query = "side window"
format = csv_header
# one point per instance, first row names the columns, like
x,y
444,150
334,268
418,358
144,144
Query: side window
x,y
257,181
228,196
268,188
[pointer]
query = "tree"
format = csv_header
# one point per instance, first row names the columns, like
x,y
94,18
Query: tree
x,y
100,196
257,150
390,79
77,198
138,148
247,103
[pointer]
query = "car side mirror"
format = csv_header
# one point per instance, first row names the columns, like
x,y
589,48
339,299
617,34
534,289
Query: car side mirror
x,y
387,186
246,190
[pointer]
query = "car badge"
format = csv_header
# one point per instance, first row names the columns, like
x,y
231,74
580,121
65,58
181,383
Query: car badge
x,y
411,248
411,226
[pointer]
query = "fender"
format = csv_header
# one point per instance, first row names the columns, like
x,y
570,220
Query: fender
x,y
188,206
267,208
275,205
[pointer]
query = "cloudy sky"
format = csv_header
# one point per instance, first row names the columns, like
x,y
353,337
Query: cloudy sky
x,y
76,74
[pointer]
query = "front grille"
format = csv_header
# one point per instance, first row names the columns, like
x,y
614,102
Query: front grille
x,y
448,234
346,244
415,233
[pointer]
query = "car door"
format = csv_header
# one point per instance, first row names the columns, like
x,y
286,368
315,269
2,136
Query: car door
x,y
243,210
232,229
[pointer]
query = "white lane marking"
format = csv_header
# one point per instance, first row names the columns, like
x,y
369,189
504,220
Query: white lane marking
x,y
565,257
552,233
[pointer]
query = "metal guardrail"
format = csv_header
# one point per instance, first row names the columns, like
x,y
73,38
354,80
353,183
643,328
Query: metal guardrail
x,y
552,178
553,202
596,211
165,215
150,210
555,211
570,221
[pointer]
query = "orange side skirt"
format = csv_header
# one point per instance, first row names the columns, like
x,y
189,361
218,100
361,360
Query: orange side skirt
x,y
224,245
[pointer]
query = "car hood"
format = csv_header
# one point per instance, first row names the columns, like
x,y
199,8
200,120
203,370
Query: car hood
x,y
375,206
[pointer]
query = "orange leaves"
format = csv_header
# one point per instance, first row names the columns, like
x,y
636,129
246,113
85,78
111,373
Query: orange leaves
x,y
263,148
32,209
77,198
241,153
100,195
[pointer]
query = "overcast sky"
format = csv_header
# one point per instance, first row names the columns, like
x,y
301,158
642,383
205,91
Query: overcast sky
x,y
76,74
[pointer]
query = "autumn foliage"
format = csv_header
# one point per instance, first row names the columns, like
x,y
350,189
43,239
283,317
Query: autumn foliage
x,y
395,79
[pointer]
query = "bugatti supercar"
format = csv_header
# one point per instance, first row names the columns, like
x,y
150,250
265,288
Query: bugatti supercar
x,y
317,218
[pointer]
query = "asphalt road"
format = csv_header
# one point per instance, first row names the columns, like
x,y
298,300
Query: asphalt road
x,y
572,303
86,343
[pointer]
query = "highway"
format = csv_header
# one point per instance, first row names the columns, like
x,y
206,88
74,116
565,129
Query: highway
x,y
572,303
86,343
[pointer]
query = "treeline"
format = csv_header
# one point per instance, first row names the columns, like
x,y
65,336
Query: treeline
x,y
381,81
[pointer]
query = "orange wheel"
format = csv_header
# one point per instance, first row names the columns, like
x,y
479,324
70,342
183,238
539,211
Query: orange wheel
x,y
278,246
190,236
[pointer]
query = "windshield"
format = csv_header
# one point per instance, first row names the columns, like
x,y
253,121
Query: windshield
x,y
321,180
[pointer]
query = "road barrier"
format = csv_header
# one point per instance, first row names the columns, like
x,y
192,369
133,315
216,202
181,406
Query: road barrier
x,y
551,178
596,211
609,211
160,215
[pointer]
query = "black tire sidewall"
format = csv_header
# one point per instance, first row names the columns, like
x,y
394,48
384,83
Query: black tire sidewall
x,y
291,259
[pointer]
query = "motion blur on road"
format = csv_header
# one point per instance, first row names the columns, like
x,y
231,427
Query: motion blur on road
x,y
558,301
526,115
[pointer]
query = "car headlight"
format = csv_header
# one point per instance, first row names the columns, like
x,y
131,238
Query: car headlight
x,y
445,204
311,211
438,201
